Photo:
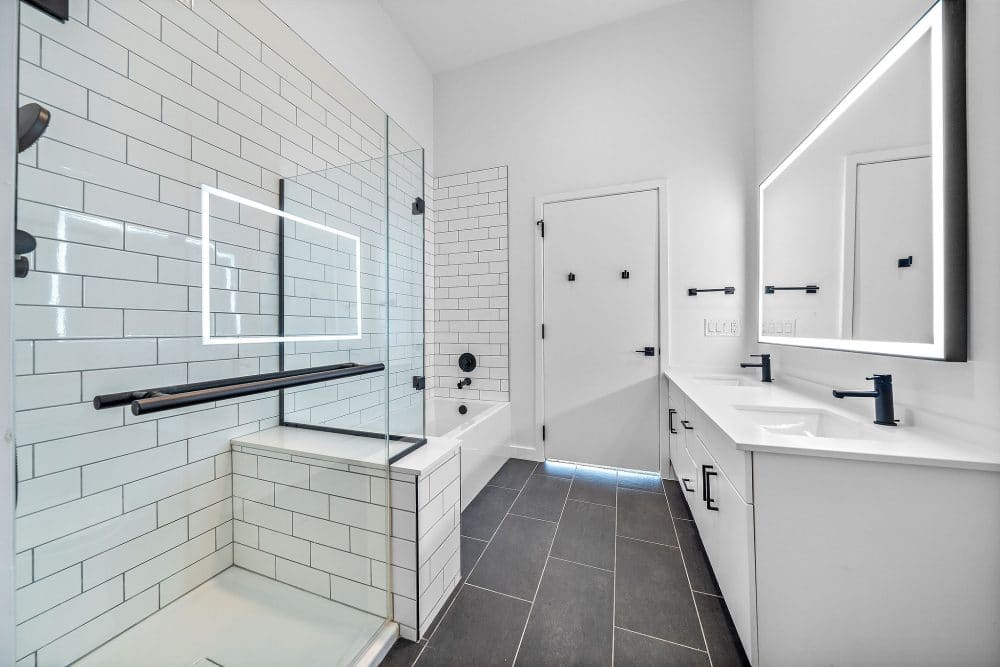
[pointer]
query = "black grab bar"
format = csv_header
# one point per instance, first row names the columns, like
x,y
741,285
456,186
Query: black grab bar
x,y
145,401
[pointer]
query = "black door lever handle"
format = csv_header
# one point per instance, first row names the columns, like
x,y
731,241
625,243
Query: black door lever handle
x,y
647,351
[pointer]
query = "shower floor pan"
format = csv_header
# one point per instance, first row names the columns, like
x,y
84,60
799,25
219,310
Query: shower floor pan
x,y
241,619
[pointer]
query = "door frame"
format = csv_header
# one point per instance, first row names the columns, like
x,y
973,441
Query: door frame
x,y
662,283
847,268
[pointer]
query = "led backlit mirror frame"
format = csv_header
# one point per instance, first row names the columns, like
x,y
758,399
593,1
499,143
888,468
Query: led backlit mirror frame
x,y
945,21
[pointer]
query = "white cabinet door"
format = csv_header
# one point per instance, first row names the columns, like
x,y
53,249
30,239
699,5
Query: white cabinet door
x,y
733,562
600,304
702,510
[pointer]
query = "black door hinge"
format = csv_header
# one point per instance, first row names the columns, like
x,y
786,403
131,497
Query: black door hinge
x,y
543,332
543,431
541,226
418,206
419,382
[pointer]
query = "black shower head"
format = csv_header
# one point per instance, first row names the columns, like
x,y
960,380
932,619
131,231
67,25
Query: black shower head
x,y
32,119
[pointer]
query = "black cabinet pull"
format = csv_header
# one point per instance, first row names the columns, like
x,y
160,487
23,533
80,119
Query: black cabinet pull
x,y
686,424
670,420
684,483
707,472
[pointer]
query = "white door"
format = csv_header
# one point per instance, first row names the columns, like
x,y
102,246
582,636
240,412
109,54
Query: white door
x,y
893,302
600,388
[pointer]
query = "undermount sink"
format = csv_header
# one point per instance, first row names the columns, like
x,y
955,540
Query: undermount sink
x,y
807,422
726,381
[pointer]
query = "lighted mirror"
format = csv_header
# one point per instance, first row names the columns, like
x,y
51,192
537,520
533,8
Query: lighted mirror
x,y
863,226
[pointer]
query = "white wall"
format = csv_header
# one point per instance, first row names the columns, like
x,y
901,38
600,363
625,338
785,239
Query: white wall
x,y
663,95
361,41
807,54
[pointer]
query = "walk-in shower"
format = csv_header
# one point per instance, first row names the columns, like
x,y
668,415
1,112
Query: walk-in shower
x,y
230,238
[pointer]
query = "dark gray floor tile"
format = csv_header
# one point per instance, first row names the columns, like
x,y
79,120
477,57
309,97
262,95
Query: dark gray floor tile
x,y
555,469
632,650
513,562
481,628
645,516
723,643
675,497
652,593
542,498
698,568
513,474
486,511
594,485
402,654
471,550
570,622
639,481
586,535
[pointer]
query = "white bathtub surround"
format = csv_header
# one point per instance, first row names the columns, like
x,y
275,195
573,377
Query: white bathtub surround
x,y
484,433
309,503
471,283
234,619
812,503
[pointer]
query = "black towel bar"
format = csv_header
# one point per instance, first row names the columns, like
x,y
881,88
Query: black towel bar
x,y
178,396
808,289
694,291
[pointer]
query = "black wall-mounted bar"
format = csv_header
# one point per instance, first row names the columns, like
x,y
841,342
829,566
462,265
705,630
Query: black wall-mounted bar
x,y
808,289
694,291
179,396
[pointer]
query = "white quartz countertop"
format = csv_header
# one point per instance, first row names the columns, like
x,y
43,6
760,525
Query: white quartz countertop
x,y
348,449
732,409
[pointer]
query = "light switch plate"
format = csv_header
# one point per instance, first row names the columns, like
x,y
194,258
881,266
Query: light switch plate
x,y
779,328
722,327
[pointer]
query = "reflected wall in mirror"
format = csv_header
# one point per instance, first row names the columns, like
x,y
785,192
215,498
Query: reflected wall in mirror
x,y
863,226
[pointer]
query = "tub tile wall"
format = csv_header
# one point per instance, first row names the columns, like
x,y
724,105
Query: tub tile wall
x,y
426,544
313,524
120,515
471,283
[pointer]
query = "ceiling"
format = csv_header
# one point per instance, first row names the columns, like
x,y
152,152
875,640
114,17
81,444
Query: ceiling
x,y
449,34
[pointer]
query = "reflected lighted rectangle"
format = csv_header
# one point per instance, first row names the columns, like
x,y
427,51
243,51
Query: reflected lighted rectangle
x,y
207,192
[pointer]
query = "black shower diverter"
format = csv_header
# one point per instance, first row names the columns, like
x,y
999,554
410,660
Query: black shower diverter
x,y
467,362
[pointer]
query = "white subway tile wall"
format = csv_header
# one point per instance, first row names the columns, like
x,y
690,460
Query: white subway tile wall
x,y
426,546
318,528
120,515
471,283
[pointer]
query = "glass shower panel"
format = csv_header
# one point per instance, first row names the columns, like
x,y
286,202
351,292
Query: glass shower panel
x,y
192,228
405,288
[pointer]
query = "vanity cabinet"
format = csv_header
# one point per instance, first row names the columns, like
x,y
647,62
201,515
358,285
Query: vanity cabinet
x,y
825,558
706,463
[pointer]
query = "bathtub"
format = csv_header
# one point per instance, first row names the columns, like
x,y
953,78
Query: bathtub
x,y
484,431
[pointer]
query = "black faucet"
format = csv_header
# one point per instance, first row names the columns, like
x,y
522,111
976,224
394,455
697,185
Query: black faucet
x,y
884,414
464,383
764,366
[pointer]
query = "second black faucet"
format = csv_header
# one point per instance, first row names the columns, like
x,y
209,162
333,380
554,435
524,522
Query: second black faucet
x,y
764,366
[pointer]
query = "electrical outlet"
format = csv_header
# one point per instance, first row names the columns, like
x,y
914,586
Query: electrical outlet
x,y
716,327
779,328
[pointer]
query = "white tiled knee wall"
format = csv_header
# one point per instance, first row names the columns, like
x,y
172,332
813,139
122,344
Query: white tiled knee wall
x,y
426,547
120,515
313,524
471,282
